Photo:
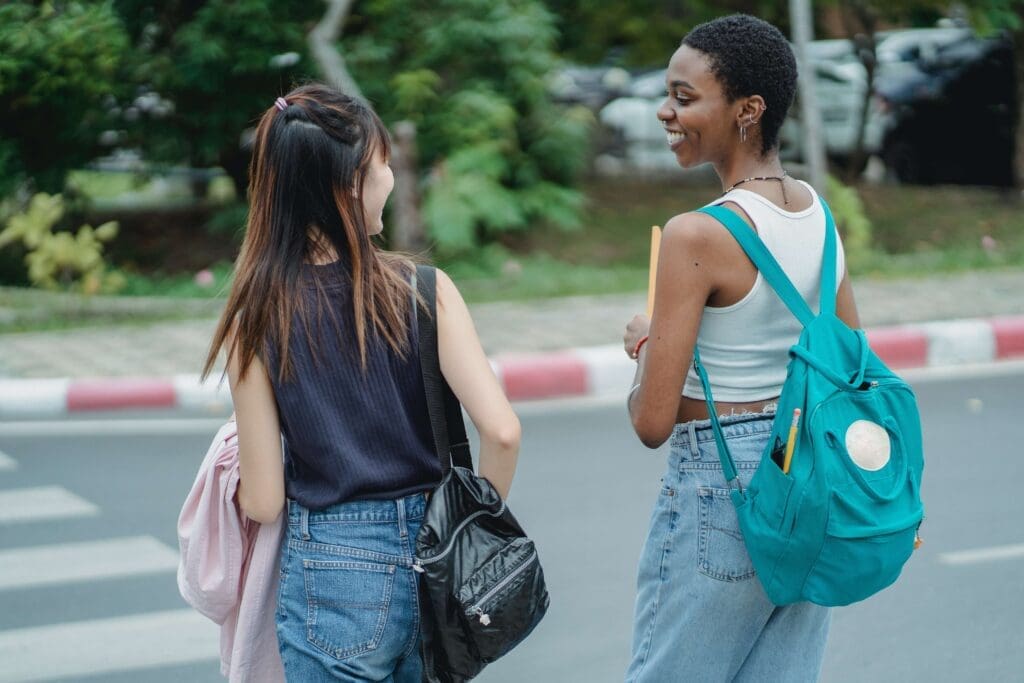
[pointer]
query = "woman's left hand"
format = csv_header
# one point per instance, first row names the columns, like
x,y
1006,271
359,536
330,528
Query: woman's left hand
x,y
636,330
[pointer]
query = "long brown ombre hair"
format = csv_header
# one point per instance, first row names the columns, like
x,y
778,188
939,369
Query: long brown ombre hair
x,y
306,200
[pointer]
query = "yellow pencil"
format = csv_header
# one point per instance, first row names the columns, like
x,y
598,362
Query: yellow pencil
x,y
791,441
652,275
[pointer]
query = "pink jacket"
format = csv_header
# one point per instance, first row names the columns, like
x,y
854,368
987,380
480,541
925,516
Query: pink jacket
x,y
229,566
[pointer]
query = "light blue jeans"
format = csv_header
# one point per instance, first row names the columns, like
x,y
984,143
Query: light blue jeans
x,y
701,614
348,608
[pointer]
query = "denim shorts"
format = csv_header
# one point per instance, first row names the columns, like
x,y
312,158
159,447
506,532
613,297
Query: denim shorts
x,y
348,609
701,614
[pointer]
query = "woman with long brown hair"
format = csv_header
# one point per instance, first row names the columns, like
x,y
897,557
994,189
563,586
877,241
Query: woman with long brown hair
x,y
321,341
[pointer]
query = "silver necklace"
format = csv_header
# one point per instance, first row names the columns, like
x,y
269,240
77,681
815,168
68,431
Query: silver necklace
x,y
780,178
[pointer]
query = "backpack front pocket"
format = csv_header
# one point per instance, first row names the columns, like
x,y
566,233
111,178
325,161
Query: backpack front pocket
x,y
858,557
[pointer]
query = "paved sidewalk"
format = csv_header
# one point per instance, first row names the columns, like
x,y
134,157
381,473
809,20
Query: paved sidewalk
x,y
557,347
176,348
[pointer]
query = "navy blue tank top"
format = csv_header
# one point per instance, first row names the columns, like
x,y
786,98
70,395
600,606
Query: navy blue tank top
x,y
349,433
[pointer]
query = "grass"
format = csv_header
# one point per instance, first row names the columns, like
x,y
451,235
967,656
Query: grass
x,y
916,231
181,286
926,230
29,310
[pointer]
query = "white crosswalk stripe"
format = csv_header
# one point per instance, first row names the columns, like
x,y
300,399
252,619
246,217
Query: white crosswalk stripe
x,y
42,503
136,644
75,562
7,463
103,646
978,555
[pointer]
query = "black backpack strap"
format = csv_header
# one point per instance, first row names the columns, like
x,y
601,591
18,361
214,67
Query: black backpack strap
x,y
450,440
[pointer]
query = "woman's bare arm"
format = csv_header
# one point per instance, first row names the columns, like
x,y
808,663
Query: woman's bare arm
x,y
846,307
686,266
261,484
468,372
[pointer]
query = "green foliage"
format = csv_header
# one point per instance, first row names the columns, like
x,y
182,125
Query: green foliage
x,y
209,283
214,61
229,220
991,15
643,32
851,220
472,75
59,68
62,259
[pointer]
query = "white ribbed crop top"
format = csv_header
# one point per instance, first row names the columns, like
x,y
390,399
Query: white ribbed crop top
x,y
745,347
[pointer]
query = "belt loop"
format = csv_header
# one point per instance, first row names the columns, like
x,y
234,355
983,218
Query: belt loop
x,y
304,523
403,530
694,448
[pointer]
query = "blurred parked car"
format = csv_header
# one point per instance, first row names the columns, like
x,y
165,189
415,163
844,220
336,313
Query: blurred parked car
x,y
840,92
591,86
953,114
641,139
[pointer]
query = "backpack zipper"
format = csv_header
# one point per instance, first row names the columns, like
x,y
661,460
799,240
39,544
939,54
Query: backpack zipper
x,y
478,610
418,563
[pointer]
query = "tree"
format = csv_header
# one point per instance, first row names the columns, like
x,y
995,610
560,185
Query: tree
x,y
323,44
59,72
472,75
643,32
219,64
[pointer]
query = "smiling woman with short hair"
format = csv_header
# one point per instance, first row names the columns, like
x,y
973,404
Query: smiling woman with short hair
x,y
700,613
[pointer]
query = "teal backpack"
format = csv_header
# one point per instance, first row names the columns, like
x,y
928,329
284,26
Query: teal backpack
x,y
839,526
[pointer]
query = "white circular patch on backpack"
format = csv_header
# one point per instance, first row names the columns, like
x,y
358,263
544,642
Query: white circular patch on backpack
x,y
868,445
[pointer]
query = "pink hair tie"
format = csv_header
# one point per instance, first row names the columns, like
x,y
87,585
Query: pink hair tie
x,y
281,103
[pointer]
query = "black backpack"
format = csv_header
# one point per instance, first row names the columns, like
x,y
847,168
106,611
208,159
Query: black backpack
x,y
481,585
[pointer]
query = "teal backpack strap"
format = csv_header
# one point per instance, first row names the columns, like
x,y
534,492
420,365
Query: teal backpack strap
x,y
724,457
758,253
828,264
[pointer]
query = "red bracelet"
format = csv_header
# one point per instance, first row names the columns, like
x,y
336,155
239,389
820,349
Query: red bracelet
x,y
639,345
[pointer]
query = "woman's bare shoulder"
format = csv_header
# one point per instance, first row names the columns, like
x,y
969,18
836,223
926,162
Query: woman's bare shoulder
x,y
694,233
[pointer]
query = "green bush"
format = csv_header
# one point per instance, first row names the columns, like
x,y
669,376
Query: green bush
x,y
61,259
59,70
852,221
498,155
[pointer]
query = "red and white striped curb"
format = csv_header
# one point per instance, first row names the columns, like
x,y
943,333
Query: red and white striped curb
x,y
588,371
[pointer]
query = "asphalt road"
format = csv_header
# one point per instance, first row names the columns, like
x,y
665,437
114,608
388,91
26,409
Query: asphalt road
x,y
88,549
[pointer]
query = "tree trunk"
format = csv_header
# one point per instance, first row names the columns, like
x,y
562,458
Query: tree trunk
x,y
408,228
867,53
322,43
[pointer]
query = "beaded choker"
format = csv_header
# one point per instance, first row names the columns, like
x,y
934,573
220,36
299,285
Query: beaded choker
x,y
780,178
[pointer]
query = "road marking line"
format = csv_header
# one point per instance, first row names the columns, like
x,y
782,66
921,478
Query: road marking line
x,y
999,552
7,463
116,427
968,371
103,646
42,502
70,562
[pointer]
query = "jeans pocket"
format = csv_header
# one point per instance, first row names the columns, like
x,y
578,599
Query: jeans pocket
x,y
347,605
721,554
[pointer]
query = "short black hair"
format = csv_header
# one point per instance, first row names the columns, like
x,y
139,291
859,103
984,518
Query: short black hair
x,y
749,56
